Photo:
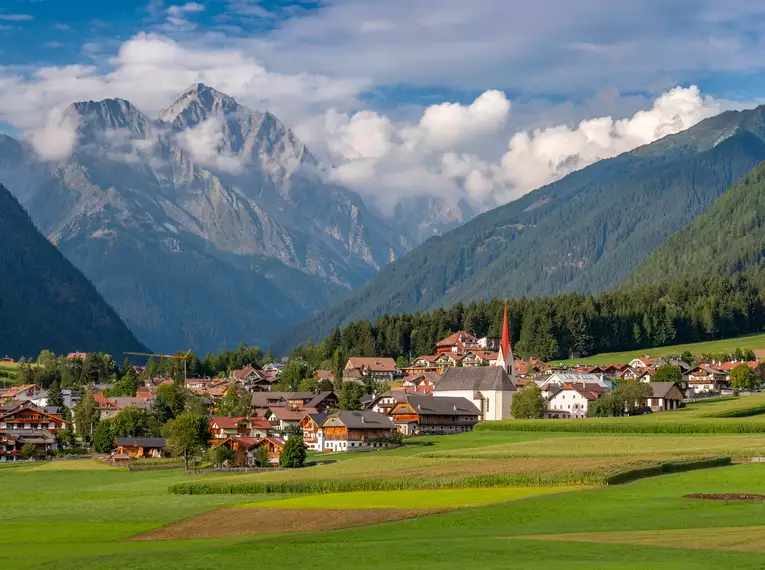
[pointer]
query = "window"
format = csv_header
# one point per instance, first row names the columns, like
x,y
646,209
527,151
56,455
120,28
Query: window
x,y
487,404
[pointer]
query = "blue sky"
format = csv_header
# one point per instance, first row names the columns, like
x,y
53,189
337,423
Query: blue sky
x,y
435,94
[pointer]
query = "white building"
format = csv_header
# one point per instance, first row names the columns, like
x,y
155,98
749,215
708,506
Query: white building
x,y
573,399
561,379
488,387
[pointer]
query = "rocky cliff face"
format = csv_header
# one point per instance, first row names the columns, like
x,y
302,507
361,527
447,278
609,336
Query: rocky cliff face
x,y
209,225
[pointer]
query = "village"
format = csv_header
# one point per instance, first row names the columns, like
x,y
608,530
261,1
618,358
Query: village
x,y
466,381
463,383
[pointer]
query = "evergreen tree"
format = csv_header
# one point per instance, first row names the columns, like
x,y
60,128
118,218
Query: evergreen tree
x,y
54,395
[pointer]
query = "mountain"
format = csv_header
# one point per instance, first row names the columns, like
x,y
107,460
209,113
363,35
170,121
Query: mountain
x,y
727,239
585,232
45,303
209,225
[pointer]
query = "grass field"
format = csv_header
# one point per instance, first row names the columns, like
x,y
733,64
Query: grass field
x,y
81,514
753,342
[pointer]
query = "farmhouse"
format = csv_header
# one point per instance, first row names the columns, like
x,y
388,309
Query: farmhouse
x,y
12,442
283,418
253,380
223,427
704,378
350,431
427,415
243,448
489,388
378,368
140,446
320,401
311,424
665,396
273,446
561,379
27,416
25,392
574,399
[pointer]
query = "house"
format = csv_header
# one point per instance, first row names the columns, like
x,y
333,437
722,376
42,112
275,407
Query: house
x,y
320,401
76,356
423,364
642,362
664,396
273,369
706,379
458,343
27,416
421,379
282,418
353,375
427,415
224,427
353,431
560,379
479,358
136,447
379,369
574,398
110,407
252,379
322,375
754,365
243,447
311,424
383,403
13,441
489,388
273,446
24,392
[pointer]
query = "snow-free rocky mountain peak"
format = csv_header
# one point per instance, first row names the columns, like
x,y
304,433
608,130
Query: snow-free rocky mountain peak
x,y
205,227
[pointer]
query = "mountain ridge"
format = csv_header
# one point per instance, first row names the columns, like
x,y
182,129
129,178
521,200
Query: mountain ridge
x,y
227,197
583,233
45,302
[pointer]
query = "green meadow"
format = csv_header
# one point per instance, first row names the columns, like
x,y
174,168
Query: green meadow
x,y
82,514
753,342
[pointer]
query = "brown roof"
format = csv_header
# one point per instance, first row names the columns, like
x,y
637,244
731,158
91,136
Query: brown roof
x,y
287,415
372,363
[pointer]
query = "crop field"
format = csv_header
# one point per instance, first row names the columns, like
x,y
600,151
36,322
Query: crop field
x,y
754,342
476,500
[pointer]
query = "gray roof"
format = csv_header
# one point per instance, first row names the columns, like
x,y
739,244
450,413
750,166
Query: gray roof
x,y
318,418
475,378
31,435
442,405
158,442
364,419
661,389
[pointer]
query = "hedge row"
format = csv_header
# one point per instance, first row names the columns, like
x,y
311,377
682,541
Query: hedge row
x,y
668,467
622,426
757,410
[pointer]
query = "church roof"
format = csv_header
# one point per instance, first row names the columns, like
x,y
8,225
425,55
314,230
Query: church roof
x,y
476,378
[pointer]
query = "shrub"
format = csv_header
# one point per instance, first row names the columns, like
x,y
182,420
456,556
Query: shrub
x,y
294,453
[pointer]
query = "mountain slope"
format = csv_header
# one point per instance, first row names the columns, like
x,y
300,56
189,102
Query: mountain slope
x,y
45,303
585,232
208,226
727,239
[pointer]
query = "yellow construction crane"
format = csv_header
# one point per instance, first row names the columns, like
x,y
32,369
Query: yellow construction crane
x,y
178,356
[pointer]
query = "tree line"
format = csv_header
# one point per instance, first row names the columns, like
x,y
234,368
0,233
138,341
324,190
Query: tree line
x,y
568,325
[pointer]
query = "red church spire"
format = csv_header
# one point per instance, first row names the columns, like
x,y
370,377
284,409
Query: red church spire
x,y
505,342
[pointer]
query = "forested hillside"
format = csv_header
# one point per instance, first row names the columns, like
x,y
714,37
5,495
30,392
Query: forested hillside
x,y
548,328
584,233
44,301
727,239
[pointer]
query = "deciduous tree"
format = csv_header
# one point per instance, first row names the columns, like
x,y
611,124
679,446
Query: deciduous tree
x,y
187,434
528,403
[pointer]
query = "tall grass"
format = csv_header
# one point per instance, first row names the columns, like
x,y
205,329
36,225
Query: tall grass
x,y
607,474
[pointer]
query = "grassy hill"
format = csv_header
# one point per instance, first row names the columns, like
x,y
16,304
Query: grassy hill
x,y
754,342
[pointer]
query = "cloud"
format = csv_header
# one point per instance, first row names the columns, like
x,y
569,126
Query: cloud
x,y
177,17
447,123
16,17
61,26
547,46
150,70
441,155
53,45
55,139
206,143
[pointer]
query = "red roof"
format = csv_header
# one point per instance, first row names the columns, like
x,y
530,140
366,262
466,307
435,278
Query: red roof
x,y
504,344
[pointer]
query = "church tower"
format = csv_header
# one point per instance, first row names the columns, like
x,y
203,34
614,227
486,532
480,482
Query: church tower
x,y
505,357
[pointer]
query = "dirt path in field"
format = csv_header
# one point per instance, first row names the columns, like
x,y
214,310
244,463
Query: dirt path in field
x,y
247,521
